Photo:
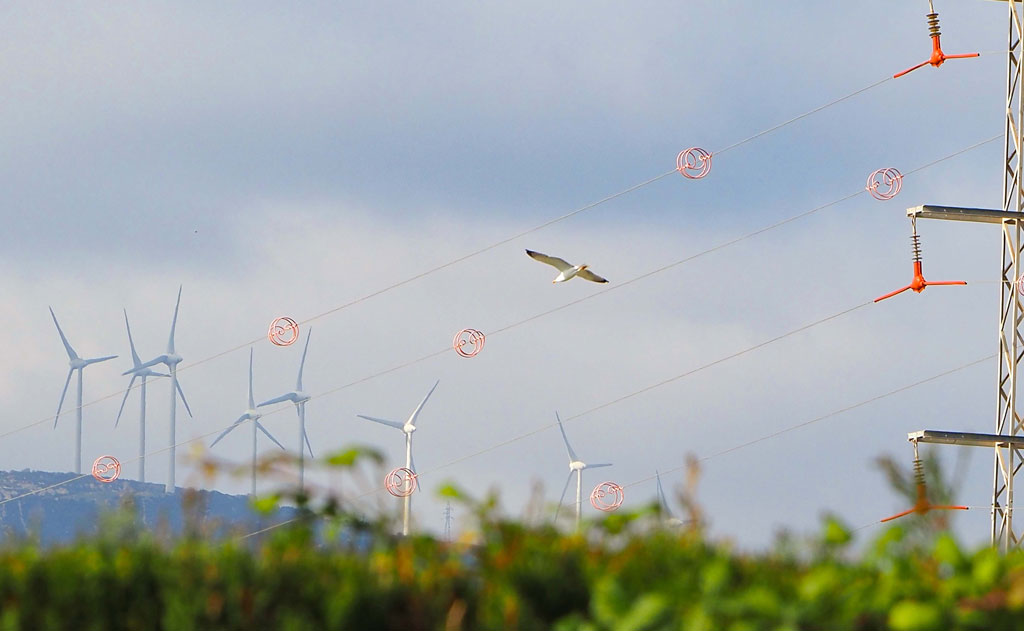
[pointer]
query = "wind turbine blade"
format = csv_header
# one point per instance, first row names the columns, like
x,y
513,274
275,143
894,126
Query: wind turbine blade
x,y
71,352
181,392
568,447
126,392
135,356
416,412
62,395
382,421
661,493
284,397
664,503
228,430
412,465
174,323
595,466
260,427
97,360
305,437
252,404
302,364
152,362
562,498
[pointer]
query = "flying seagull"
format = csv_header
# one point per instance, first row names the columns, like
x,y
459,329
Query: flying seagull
x,y
566,270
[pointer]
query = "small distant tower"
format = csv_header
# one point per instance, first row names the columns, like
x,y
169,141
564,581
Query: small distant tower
x,y
448,522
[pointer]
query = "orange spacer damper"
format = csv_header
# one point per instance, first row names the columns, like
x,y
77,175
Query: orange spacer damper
x,y
919,283
938,57
922,505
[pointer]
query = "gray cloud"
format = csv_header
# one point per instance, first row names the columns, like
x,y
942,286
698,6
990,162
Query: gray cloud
x,y
281,162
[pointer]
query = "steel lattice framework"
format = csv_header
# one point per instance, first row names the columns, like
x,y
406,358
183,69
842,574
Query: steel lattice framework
x,y
1008,439
1008,460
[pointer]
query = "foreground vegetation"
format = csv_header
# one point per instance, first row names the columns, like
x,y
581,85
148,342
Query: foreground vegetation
x,y
514,578
631,572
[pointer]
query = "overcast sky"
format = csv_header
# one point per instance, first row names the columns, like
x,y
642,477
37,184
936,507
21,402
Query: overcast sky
x,y
280,161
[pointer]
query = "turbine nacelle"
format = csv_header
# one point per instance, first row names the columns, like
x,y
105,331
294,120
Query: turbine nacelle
x,y
79,363
410,424
578,465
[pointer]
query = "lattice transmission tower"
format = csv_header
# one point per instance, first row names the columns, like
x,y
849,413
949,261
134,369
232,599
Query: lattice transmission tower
x,y
1008,439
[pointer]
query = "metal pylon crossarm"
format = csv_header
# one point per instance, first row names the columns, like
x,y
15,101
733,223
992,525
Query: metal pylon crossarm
x,y
1008,456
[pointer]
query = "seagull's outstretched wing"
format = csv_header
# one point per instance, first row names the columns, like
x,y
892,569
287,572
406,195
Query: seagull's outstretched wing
x,y
553,261
586,274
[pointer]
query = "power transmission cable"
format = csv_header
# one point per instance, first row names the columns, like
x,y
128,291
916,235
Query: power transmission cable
x,y
530,319
614,287
643,390
744,445
525,232
653,386
823,417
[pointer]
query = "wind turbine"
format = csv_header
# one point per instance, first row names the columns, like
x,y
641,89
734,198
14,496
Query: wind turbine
x,y
250,415
75,363
669,517
171,360
299,398
137,371
408,428
575,466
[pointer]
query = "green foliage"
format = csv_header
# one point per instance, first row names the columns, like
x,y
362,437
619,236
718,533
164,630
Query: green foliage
x,y
626,576
348,458
631,571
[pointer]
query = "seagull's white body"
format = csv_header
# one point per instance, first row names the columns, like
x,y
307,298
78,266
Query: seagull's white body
x,y
566,270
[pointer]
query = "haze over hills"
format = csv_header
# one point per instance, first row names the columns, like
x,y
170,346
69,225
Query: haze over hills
x,y
75,509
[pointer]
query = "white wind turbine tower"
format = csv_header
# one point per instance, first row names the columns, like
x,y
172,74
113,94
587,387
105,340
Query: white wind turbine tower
x,y
408,428
75,363
137,371
171,360
250,415
575,466
299,398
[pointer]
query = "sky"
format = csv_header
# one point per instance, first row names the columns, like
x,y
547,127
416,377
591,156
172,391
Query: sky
x,y
275,161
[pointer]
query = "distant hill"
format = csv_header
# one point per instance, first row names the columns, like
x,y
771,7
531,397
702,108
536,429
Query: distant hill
x,y
73,509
